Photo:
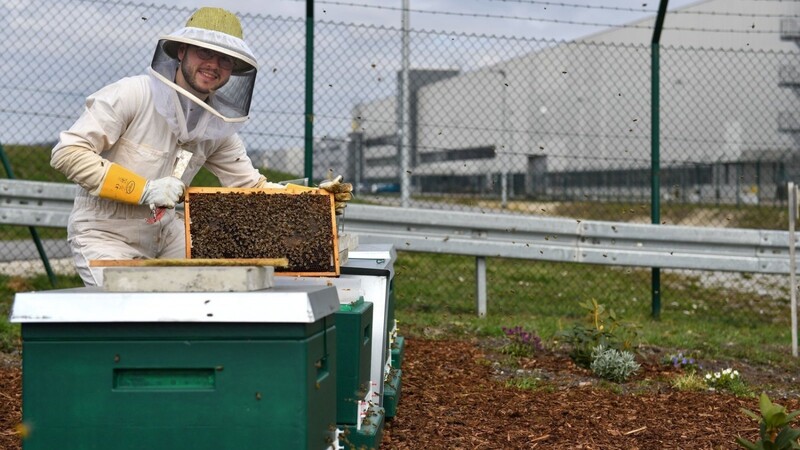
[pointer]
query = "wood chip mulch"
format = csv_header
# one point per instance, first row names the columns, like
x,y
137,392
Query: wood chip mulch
x,y
450,399
10,406
453,398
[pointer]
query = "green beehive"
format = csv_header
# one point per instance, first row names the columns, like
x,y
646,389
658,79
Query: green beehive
x,y
353,346
359,415
398,351
391,320
244,370
391,392
366,435
373,264
360,421
394,378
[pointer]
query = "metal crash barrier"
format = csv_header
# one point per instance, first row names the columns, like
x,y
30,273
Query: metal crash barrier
x,y
484,235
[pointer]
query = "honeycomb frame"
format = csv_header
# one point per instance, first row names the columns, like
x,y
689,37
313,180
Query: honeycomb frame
x,y
298,223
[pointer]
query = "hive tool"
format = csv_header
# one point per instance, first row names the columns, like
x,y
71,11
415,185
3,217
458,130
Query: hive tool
x,y
181,162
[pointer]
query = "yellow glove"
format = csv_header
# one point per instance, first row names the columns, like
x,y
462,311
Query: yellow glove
x,y
122,185
342,193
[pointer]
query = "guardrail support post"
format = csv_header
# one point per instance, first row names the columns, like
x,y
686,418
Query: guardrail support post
x,y
480,285
792,191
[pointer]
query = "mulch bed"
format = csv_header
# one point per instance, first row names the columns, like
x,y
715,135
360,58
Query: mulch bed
x,y
455,395
452,398
10,405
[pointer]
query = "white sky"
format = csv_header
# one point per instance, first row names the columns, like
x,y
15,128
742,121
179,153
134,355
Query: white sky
x,y
461,14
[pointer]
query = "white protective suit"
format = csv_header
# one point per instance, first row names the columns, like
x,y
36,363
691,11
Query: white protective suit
x,y
124,148
121,125
140,125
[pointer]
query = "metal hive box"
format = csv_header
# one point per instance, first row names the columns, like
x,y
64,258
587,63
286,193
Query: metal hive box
x,y
297,223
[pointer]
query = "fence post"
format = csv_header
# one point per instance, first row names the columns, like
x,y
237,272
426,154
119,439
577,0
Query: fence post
x,y
405,113
655,180
792,198
308,136
480,285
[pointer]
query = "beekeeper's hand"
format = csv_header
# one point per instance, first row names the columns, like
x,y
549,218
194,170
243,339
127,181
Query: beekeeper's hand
x,y
342,193
164,192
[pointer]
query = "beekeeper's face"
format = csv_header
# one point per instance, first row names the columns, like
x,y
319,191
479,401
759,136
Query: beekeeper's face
x,y
202,71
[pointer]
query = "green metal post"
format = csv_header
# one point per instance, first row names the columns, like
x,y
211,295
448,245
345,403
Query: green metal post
x,y
655,194
758,181
309,115
739,169
34,234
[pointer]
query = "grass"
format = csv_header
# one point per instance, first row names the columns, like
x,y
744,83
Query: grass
x,y
690,381
767,217
530,383
31,162
544,297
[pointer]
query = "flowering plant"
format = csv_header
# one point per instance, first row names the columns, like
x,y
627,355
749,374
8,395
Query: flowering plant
x,y
680,361
727,379
521,342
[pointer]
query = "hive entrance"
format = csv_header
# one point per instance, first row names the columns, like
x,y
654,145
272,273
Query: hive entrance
x,y
229,223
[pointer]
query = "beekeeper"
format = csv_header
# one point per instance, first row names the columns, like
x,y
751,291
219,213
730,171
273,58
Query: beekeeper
x,y
124,148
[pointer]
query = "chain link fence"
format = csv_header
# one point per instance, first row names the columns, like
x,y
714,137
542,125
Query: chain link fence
x,y
524,126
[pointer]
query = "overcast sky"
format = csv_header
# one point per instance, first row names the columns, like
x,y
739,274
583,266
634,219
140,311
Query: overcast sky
x,y
525,18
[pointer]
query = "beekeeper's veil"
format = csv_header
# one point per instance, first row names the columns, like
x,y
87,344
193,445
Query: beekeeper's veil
x,y
226,109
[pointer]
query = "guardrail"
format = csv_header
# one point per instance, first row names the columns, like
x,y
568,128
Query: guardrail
x,y
570,240
36,203
494,235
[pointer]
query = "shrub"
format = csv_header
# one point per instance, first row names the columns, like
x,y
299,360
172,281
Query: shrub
x,y
612,364
602,328
774,429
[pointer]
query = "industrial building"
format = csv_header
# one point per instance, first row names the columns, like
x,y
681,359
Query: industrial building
x,y
573,119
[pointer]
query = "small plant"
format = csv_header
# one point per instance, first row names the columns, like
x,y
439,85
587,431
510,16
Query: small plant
x,y
527,383
774,429
602,328
521,343
723,380
612,364
682,362
689,381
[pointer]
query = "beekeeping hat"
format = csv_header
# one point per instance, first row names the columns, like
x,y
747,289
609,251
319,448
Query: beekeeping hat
x,y
219,30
